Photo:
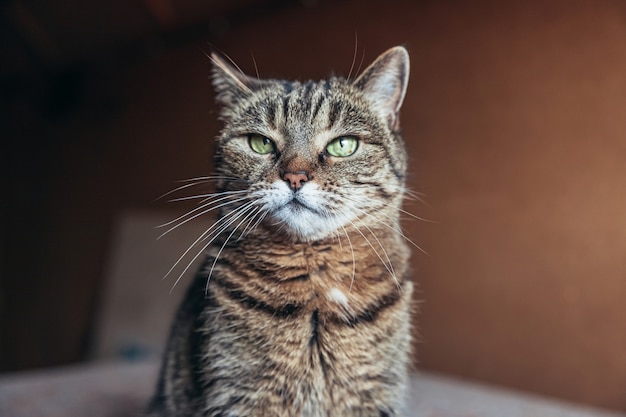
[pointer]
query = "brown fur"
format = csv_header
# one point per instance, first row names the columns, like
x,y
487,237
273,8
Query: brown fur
x,y
287,317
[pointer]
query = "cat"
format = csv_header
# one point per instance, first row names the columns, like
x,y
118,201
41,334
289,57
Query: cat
x,y
302,307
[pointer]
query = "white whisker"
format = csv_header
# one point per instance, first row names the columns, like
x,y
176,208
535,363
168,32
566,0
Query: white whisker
x,y
245,230
261,217
182,187
415,195
395,228
211,177
203,212
206,289
193,197
356,48
197,181
393,206
203,236
381,247
416,217
353,258
241,209
387,267
338,237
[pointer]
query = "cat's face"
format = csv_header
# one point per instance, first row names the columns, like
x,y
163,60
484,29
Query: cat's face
x,y
313,158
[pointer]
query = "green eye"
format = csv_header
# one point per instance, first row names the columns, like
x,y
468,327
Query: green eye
x,y
261,144
342,146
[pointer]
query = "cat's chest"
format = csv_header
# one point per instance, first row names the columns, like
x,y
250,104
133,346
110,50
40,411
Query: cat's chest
x,y
314,286
305,320
309,298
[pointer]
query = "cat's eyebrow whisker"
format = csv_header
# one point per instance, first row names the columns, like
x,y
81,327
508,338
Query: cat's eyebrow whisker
x,y
256,69
218,63
358,70
356,48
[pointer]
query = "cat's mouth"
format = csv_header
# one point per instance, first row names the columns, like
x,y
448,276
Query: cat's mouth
x,y
296,206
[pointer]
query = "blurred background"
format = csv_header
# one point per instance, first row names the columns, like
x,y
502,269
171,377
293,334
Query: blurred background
x,y
515,123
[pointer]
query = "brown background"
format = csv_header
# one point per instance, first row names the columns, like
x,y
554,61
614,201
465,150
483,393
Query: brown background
x,y
514,121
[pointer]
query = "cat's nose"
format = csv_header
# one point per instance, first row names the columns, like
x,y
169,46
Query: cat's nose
x,y
296,179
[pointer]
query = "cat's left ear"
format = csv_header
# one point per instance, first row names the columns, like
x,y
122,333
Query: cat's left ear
x,y
384,84
231,84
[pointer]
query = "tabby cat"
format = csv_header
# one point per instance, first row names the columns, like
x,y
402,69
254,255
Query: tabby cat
x,y
302,306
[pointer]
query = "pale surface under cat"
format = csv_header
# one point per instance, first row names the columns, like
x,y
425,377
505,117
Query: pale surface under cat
x,y
303,305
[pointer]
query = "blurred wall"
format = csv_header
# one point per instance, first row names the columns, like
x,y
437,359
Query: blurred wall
x,y
514,122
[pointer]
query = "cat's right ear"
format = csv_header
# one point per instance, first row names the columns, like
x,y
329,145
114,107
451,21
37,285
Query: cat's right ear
x,y
230,83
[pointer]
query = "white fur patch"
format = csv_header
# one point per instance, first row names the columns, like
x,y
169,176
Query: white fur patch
x,y
336,295
311,221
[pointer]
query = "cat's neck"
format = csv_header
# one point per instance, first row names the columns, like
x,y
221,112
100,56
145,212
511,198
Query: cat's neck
x,y
348,267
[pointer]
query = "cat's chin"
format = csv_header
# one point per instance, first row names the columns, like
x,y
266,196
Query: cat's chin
x,y
303,223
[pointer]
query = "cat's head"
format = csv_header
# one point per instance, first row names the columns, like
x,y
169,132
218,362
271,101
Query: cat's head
x,y
315,157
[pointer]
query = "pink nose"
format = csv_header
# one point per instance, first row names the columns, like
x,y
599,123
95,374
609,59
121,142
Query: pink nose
x,y
296,179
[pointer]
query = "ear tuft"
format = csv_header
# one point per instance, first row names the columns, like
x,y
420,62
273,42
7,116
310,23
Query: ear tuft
x,y
384,84
231,84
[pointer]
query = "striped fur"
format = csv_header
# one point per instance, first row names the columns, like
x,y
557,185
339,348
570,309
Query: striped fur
x,y
302,306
